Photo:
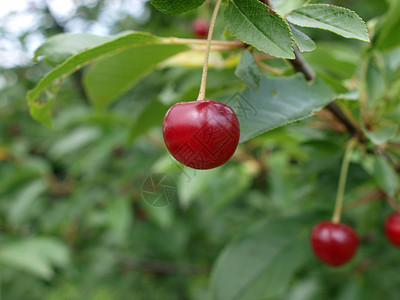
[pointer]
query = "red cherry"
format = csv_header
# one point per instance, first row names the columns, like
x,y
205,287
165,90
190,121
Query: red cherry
x,y
334,244
392,228
201,134
200,28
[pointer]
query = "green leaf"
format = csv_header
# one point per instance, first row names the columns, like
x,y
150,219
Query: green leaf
x,y
339,20
74,141
278,101
223,185
303,41
41,98
35,255
59,48
24,202
248,71
392,59
120,218
385,175
112,76
382,135
260,264
387,36
334,60
151,116
283,6
174,7
375,82
253,23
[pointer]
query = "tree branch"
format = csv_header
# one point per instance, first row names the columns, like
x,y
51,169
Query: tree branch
x,y
301,66
368,197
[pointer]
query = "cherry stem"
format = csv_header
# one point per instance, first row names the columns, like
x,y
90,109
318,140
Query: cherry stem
x,y
342,181
203,85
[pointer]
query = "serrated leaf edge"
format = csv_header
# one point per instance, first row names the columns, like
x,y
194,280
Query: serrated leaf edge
x,y
279,17
339,7
178,12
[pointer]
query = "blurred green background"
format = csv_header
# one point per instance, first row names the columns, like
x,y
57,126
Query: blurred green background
x,y
74,223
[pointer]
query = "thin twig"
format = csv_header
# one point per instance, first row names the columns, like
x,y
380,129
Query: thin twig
x,y
218,47
262,55
183,41
368,197
394,204
268,68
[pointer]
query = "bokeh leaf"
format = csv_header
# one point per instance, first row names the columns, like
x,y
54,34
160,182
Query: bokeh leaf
x,y
385,175
387,36
375,82
283,6
120,218
382,135
222,184
74,141
27,197
151,116
37,256
260,264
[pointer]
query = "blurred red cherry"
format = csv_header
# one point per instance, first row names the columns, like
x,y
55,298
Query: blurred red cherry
x,y
200,28
392,228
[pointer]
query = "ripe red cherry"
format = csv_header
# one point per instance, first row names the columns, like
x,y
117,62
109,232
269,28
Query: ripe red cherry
x,y
201,134
392,228
200,28
334,244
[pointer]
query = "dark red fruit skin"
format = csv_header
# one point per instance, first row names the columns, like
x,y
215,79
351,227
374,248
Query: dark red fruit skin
x,y
201,134
392,228
334,244
200,28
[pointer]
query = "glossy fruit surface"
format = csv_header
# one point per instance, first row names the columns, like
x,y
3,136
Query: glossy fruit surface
x,y
392,228
201,134
200,28
334,244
